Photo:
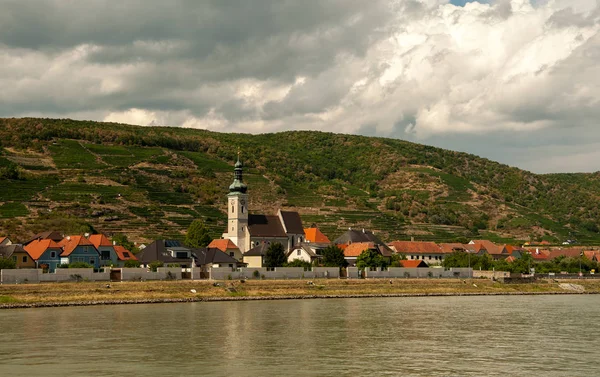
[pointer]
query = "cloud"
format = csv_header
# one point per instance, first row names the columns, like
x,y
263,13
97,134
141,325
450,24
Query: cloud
x,y
506,74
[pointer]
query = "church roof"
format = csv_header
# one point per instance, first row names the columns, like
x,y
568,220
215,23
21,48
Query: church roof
x,y
292,223
265,226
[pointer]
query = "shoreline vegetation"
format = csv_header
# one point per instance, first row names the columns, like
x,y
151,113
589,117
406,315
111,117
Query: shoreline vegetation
x,y
116,293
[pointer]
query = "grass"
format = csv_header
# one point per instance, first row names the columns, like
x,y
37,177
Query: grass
x,y
161,290
69,154
25,190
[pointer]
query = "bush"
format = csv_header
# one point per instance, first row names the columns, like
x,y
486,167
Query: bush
x,y
256,274
299,263
155,265
131,263
7,264
80,265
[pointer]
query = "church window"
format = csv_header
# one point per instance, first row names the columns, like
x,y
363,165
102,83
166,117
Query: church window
x,y
242,229
232,209
242,209
232,229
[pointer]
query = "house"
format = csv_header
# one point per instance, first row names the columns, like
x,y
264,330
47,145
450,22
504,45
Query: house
x,y
352,251
45,252
314,235
514,251
540,255
49,235
449,248
5,241
166,251
209,257
567,253
413,263
18,254
249,230
481,247
352,236
228,247
123,255
255,256
108,255
415,250
307,252
79,249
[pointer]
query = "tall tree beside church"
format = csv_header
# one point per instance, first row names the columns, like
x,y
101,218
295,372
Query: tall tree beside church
x,y
197,235
333,256
275,256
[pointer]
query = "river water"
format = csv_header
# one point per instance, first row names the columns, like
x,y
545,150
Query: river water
x,y
437,336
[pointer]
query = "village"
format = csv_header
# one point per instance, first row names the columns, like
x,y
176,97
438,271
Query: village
x,y
243,253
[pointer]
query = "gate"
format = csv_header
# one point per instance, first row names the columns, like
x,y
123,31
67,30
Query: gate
x,y
115,274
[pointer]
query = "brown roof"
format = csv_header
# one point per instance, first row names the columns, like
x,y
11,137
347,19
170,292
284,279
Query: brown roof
x,y
489,246
449,248
38,247
124,254
70,243
265,226
222,244
415,247
539,254
53,235
99,240
292,223
569,253
412,263
315,235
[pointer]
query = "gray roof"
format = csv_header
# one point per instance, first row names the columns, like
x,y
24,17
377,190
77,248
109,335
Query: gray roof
x,y
211,255
352,236
307,248
292,223
257,251
156,250
8,250
51,235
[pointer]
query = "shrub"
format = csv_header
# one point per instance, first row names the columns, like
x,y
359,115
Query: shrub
x,y
80,265
155,265
131,263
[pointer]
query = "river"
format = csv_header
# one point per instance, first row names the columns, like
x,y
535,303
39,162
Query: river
x,y
419,336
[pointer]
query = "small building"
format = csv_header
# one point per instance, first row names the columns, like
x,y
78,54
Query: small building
x,y
106,249
166,251
19,255
307,252
79,249
45,252
352,251
228,247
255,257
415,250
209,257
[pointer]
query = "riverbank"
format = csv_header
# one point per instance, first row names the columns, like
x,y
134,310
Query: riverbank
x,y
94,293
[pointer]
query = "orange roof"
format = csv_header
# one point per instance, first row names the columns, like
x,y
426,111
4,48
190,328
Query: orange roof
x,y
124,254
70,243
413,247
412,263
510,259
36,248
315,235
99,240
2,239
355,249
222,244
489,246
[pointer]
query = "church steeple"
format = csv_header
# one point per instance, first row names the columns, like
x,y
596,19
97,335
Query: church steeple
x,y
238,184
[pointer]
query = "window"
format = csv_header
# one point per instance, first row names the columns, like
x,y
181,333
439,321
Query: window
x,y
92,261
242,209
298,252
126,254
105,255
429,257
231,254
25,259
85,249
242,229
232,211
232,229
53,254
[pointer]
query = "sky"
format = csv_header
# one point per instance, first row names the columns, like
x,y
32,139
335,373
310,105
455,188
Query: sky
x,y
516,81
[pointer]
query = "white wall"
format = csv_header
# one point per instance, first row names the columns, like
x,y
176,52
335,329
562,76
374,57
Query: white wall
x,y
224,273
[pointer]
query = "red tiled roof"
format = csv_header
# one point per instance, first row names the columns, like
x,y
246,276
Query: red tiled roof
x,y
315,235
412,263
489,246
99,240
124,254
2,239
569,253
355,249
70,243
222,244
414,247
36,248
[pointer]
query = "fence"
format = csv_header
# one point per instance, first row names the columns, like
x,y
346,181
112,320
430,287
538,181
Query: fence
x,y
401,272
20,276
223,273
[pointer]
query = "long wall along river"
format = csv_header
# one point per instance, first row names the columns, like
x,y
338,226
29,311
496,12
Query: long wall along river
x,y
436,336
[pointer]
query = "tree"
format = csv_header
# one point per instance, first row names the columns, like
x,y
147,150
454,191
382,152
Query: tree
x,y
7,264
396,258
131,263
370,258
275,256
197,235
333,256
121,239
155,265
299,263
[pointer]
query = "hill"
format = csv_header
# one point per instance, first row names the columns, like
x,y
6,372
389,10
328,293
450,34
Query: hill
x,y
149,182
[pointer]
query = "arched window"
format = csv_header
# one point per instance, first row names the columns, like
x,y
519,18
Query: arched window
x,y
242,209
232,209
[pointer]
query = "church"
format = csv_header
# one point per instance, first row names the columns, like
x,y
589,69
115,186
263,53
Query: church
x,y
248,231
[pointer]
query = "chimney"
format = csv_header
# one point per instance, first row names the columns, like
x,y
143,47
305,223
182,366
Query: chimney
x,y
114,243
86,235
68,238
363,230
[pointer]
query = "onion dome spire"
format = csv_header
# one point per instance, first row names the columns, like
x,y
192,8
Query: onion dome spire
x,y
238,184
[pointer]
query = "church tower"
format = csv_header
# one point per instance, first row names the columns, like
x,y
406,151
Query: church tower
x,y
237,209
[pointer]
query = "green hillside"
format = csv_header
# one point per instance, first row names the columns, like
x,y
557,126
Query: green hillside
x,y
149,182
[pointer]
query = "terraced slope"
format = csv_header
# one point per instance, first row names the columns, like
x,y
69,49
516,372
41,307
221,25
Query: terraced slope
x,y
150,182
